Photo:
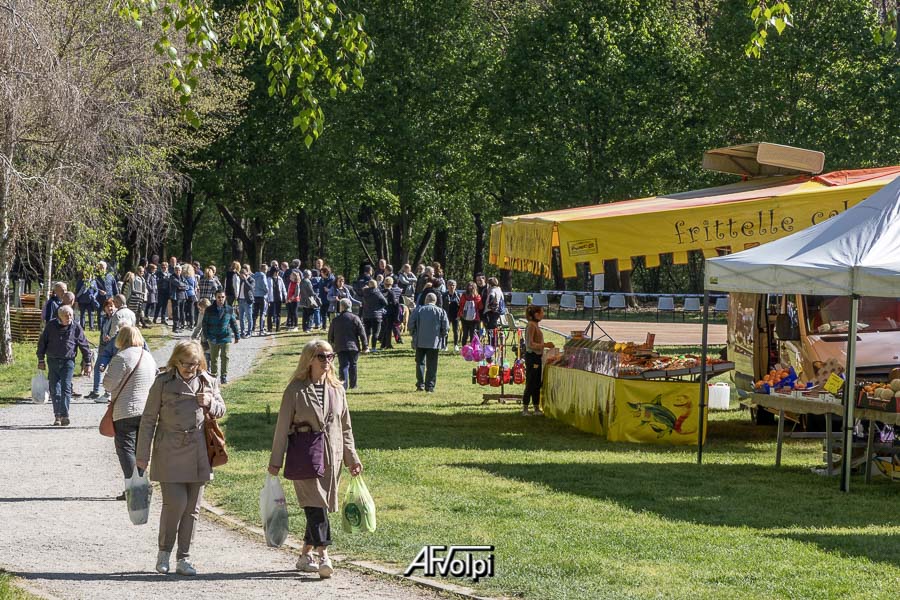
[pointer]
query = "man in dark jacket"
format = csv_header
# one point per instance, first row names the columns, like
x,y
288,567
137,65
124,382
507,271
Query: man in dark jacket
x,y
373,309
347,336
59,343
178,295
162,290
220,329
54,302
365,275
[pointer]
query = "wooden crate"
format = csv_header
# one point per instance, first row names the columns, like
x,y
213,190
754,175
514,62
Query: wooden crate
x,y
25,324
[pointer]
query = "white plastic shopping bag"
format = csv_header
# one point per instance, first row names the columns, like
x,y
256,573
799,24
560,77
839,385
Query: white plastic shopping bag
x,y
138,492
273,511
40,388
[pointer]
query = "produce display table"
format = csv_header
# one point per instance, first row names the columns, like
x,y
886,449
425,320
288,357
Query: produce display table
x,y
810,406
623,410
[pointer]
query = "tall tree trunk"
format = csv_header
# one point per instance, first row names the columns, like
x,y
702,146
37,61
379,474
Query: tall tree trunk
x,y
505,279
237,247
559,281
362,244
440,247
189,224
478,263
423,245
303,237
6,262
611,276
48,267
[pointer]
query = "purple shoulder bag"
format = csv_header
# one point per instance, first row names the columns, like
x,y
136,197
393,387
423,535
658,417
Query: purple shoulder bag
x,y
306,452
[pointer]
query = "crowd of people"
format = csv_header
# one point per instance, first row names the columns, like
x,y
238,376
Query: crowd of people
x,y
159,416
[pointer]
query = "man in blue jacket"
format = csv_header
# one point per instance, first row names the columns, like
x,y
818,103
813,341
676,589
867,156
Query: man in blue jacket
x,y
428,326
59,343
260,292
107,287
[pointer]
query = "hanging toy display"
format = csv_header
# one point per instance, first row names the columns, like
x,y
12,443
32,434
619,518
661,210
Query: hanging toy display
x,y
483,374
518,372
489,352
466,352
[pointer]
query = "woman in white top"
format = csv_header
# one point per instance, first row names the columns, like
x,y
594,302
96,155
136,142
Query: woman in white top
x,y
129,376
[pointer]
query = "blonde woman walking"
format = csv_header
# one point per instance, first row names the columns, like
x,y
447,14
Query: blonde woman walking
x,y
315,401
128,378
173,420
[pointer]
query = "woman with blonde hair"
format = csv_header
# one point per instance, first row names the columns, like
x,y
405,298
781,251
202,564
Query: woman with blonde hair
x,y
174,420
315,401
129,376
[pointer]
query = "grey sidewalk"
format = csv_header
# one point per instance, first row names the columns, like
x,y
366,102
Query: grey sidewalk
x,y
62,532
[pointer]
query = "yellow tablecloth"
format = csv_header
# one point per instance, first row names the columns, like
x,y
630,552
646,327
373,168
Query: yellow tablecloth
x,y
624,410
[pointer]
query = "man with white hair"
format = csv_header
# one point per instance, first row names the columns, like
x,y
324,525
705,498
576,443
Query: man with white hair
x,y
107,287
347,336
428,327
59,344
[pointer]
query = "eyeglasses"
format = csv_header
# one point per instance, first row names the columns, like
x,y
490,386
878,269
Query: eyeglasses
x,y
191,365
326,357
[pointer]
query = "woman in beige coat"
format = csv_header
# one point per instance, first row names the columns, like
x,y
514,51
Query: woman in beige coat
x,y
315,398
174,416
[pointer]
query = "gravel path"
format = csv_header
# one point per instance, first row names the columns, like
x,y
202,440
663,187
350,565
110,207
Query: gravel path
x,y
62,532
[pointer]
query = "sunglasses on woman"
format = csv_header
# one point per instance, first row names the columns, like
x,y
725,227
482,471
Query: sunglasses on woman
x,y
326,357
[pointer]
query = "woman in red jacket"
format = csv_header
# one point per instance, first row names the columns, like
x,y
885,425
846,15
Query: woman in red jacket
x,y
470,307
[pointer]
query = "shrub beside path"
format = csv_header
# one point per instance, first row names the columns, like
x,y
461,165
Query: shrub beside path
x,y
63,533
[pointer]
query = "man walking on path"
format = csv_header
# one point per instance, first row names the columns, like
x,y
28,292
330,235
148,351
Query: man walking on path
x,y
219,323
54,301
347,336
428,326
59,343
260,292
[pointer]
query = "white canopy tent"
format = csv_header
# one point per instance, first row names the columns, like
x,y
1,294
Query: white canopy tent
x,y
855,253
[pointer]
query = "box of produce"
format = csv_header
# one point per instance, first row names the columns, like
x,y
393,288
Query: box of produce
x,y
880,396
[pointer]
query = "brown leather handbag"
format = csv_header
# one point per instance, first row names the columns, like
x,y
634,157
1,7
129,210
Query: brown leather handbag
x,y
215,441
106,423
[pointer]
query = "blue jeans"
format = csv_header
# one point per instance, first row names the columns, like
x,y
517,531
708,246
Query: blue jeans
x,y
317,318
60,372
347,360
245,318
104,354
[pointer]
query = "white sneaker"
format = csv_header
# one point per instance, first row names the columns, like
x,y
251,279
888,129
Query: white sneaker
x,y
307,563
184,567
456,348
325,567
102,399
162,562
525,412
538,412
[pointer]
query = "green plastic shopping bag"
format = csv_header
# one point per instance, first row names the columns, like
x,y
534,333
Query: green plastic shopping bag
x,y
359,508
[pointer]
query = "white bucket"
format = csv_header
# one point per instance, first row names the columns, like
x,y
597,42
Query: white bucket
x,y
719,395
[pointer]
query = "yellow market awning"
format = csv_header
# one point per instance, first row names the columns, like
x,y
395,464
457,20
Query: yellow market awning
x,y
728,218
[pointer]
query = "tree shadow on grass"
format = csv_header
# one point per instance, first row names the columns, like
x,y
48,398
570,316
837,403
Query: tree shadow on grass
x,y
754,496
479,428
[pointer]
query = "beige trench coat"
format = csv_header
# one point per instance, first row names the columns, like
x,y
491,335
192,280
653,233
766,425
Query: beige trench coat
x,y
298,405
174,422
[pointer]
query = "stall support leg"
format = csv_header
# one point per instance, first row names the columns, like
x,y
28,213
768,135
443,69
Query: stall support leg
x,y
828,458
849,400
780,438
869,443
702,411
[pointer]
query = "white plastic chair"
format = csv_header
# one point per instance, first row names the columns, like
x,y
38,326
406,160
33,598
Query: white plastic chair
x,y
518,299
540,300
665,304
691,305
567,302
617,302
721,305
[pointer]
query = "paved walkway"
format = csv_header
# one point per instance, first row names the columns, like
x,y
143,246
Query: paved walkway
x,y
62,532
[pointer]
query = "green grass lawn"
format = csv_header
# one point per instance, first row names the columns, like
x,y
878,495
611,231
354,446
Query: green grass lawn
x,y
571,515
8,591
15,379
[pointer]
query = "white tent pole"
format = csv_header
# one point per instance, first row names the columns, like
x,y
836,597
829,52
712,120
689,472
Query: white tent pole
x,y
703,376
849,395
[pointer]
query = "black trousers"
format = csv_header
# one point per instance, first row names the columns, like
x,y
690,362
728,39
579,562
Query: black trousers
x,y
468,330
373,330
274,315
126,442
534,377
161,306
318,529
291,314
259,307
307,319
454,326
426,368
178,320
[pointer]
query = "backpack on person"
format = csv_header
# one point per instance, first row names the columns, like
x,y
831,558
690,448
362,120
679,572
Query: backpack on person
x,y
469,310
